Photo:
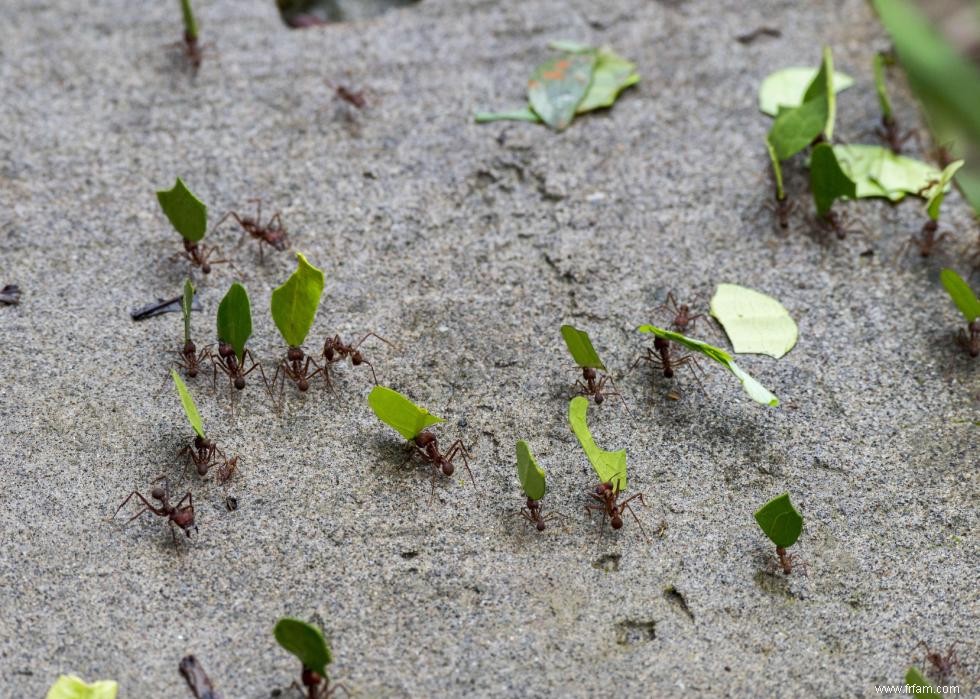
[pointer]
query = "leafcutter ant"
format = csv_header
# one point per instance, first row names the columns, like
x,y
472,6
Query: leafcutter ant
x,y
788,560
892,135
682,314
831,222
199,255
180,514
942,664
592,384
927,240
661,359
426,447
782,209
606,496
293,367
336,350
271,233
193,50
190,360
532,513
969,339
355,99
227,361
316,686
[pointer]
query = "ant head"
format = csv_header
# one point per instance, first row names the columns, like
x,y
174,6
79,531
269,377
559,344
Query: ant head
x,y
206,268
616,521
158,493
532,504
357,358
424,439
200,442
974,325
303,384
668,373
588,372
447,468
540,525
294,354
328,350
601,488
190,347
930,226
660,343
310,678
599,398
240,383
225,350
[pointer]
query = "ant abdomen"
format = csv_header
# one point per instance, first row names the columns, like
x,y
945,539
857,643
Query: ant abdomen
x,y
599,398
206,268
240,383
668,373
357,359
447,468
303,384
158,493
616,522
540,525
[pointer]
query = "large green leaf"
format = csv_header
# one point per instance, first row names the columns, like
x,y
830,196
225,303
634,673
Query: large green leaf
x,y
822,88
398,412
186,306
187,401
785,88
755,322
780,521
294,303
306,642
827,180
235,319
72,687
581,348
879,172
961,293
529,473
187,214
557,87
756,390
938,192
795,129
612,75
609,465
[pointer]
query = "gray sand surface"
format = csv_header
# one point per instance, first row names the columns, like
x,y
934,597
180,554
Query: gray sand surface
x,y
467,246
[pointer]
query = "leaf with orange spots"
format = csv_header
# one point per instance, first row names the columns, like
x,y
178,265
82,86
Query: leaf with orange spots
x,y
558,86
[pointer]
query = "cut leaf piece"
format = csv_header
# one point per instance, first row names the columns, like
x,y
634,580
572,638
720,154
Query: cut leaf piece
x,y
827,180
306,642
795,129
235,320
294,304
529,473
785,88
72,687
186,306
756,390
190,24
187,401
780,521
878,172
399,413
581,349
187,214
522,114
756,323
881,87
914,678
938,192
822,88
961,293
569,46
609,465
777,171
612,75
557,87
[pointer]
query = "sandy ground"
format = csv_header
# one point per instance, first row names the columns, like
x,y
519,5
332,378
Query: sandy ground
x,y
467,246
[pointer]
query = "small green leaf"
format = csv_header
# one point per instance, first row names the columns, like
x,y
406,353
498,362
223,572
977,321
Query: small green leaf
x,y
777,171
521,114
187,401
780,521
306,642
878,64
914,678
557,87
795,129
190,24
755,322
612,75
569,46
72,687
756,390
785,88
938,191
294,303
529,473
399,413
187,214
186,304
961,293
878,172
609,465
581,349
827,180
235,320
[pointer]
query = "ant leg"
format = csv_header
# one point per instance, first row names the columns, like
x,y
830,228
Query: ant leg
x,y
373,374
149,507
615,392
458,448
642,357
372,334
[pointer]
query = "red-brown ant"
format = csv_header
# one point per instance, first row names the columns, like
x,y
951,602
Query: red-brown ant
x,y
180,514
926,241
782,209
970,341
336,350
660,357
682,314
318,687
355,99
190,360
199,255
942,664
831,222
227,361
427,448
293,368
202,453
891,134
606,496
788,560
193,50
594,385
271,233
532,513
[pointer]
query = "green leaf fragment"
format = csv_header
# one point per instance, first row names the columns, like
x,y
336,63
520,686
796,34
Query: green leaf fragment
x,y
186,304
878,65
529,473
558,85
827,180
399,413
777,170
235,320
785,88
581,349
612,75
795,129
879,172
306,642
914,678
522,114
780,521
961,293
190,24
609,465
756,390
822,88
938,192
187,401
294,304
755,322
569,46
188,214
72,687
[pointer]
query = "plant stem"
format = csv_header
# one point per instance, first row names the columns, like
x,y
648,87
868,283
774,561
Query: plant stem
x,y
190,24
